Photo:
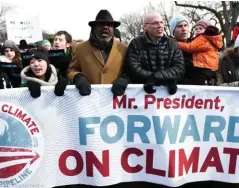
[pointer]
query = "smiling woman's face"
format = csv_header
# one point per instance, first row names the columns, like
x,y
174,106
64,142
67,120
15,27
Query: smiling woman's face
x,y
38,67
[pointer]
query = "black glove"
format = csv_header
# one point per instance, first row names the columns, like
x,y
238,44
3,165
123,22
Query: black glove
x,y
1,83
34,88
4,81
149,88
212,82
82,85
119,86
60,87
172,88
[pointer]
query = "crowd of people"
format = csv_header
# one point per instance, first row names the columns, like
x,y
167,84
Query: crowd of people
x,y
152,59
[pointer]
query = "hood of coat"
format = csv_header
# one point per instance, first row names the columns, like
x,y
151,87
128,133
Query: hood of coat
x,y
4,59
51,82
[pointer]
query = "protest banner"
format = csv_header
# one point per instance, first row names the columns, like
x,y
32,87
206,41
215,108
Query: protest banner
x,y
104,140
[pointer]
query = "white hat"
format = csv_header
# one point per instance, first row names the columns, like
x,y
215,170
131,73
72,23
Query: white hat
x,y
236,42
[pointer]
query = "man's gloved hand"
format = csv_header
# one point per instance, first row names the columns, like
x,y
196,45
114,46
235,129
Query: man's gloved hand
x,y
172,88
150,84
119,86
82,85
1,83
149,88
60,87
34,88
212,82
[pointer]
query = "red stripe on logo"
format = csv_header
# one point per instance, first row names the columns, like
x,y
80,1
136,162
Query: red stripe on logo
x,y
12,158
11,170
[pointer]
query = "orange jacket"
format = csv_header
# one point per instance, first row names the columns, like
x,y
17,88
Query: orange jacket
x,y
205,50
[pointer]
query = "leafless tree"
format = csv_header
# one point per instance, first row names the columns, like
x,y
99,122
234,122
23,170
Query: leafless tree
x,y
193,16
167,15
4,8
132,23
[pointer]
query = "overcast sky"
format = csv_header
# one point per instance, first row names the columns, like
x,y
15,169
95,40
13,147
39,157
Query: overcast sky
x,y
74,15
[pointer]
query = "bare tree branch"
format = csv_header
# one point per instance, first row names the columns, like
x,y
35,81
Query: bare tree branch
x,y
225,12
216,21
219,17
166,17
132,23
197,7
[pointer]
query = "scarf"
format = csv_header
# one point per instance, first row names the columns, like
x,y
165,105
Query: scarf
x,y
105,46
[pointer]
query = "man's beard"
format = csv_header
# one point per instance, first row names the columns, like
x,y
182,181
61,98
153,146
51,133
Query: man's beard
x,y
103,39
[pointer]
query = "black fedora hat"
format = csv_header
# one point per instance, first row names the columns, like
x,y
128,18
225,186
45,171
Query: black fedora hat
x,y
104,16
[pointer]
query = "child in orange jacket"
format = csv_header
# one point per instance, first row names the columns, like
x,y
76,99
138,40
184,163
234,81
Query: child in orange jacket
x,y
205,46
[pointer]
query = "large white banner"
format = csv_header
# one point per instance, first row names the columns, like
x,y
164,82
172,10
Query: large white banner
x,y
104,140
21,26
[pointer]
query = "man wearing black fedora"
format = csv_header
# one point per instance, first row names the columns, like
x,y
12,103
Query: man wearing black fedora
x,y
98,60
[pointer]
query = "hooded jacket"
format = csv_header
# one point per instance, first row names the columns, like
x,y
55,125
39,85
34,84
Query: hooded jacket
x,y
51,82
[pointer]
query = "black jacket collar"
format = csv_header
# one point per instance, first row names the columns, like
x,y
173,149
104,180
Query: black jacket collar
x,y
150,41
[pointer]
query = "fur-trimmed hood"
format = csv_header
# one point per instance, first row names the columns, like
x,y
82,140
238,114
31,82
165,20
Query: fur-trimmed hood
x,y
4,59
52,81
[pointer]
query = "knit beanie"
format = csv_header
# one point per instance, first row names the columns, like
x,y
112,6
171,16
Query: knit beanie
x,y
46,43
10,44
202,23
40,54
175,21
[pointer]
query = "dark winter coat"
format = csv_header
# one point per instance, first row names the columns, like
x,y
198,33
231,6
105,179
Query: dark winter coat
x,y
146,59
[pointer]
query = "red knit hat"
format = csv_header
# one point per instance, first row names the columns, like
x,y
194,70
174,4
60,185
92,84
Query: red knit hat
x,y
202,23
